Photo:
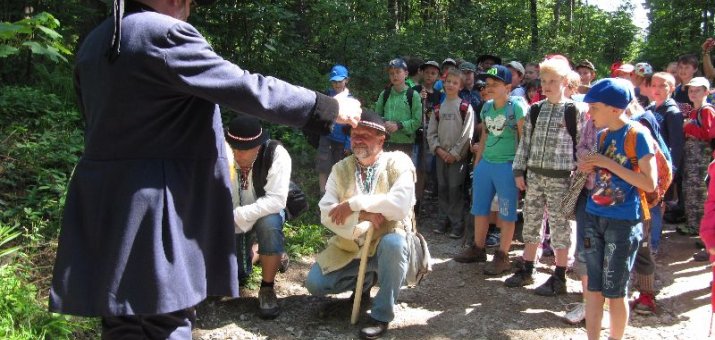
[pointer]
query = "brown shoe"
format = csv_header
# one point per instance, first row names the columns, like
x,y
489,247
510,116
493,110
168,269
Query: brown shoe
x,y
472,254
499,264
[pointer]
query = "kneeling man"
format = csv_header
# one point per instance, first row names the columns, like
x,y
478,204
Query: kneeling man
x,y
370,185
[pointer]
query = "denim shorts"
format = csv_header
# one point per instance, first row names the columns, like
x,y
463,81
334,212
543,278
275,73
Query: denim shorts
x,y
610,247
494,179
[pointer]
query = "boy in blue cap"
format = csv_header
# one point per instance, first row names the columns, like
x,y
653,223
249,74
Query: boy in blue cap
x,y
503,118
336,145
613,228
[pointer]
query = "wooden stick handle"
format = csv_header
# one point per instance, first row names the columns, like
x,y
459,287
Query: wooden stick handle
x,y
361,274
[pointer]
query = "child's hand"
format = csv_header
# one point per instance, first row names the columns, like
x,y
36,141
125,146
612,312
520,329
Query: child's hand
x,y
708,44
585,167
520,183
600,161
711,251
390,126
423,93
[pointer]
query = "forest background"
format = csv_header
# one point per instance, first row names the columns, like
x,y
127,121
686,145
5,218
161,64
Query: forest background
x,y
295,40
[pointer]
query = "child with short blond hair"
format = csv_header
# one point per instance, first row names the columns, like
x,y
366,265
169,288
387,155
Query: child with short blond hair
x,y
547,151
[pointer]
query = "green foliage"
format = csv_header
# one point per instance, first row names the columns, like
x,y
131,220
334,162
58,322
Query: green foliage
x,y
40,145
22,316
37,34
7,235
677,27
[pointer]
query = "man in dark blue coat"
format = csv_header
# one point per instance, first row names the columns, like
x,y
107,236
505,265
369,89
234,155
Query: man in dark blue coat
x,y
148,229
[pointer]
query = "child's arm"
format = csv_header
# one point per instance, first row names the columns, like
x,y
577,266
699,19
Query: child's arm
x,y
480,147
413,123
465,136
646,178
432,137
676,136
706,130
379,108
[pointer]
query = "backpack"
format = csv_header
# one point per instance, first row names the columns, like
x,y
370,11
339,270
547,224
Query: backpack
x,y
570,115
386,94
463,109
664,169
297,203
698,121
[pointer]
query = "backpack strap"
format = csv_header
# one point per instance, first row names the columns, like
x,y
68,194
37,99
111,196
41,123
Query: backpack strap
x,y
386,94
570,114
629,146
261,166
534,111
486,108
435,111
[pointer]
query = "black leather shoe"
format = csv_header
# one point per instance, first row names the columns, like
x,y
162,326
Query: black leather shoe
x,y
374,330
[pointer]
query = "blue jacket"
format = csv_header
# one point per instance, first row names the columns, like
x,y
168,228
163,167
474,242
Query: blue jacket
x,y
148,221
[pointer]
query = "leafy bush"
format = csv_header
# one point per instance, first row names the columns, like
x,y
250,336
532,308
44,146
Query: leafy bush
x,y
23,317
41,144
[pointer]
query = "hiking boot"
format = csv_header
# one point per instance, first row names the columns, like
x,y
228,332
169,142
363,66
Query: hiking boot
x,y
552,287
267,303
519,279
644,304
457,232
492,240
441,228
499,264
472,254
576,312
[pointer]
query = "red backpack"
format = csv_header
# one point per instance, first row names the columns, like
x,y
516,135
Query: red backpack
x,y
665,172
463,108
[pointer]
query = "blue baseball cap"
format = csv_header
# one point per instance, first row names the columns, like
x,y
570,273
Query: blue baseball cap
x,y
397,63
338,73
497,72
614,92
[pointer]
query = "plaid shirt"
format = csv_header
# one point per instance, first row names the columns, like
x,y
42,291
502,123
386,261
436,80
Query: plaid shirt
x,y
551,146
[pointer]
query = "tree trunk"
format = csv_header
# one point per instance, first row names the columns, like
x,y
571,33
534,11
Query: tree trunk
x,y
570,17
534,26
557,17
394,19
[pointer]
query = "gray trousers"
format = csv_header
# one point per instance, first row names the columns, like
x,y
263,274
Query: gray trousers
x,y
450,192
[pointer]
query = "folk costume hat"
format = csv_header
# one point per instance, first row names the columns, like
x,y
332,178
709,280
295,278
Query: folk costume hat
x,y
245,132
118,13
371,120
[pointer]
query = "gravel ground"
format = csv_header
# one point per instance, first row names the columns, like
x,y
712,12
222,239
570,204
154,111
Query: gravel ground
x,y
456,301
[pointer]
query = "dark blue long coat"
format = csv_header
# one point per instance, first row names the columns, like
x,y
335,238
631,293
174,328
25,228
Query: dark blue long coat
x,y
148,222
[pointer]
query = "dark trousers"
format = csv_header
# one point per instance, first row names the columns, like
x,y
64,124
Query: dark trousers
x,y
174,326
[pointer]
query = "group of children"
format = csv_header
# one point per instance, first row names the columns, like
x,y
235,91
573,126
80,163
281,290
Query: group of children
x,y
546,133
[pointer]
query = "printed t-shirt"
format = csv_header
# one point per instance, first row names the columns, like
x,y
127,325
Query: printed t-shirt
x,y
611,196
501,131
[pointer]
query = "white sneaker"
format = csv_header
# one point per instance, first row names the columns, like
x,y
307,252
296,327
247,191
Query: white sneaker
x,y
576,312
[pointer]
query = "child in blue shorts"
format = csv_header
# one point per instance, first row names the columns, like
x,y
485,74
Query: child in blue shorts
x,y
613,228
502,119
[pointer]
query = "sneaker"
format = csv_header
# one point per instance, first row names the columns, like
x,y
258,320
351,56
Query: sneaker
x,y
472,254
576,312
499,264
267,303
552,287
441,228
492,240
644,304
519,279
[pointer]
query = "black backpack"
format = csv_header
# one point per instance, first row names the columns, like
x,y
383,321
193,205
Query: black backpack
x,y
297,203
570,114
386,94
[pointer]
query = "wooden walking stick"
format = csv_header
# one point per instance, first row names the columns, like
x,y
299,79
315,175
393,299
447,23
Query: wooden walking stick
x,y
361,273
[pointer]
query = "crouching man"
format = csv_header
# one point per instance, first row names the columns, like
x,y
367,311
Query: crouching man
x,y
370,185
260,176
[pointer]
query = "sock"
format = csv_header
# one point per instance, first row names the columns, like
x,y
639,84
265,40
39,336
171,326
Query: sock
x,y
529,267
645,283
560,272
266,284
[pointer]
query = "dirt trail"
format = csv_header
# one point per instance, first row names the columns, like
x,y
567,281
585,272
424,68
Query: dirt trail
x,y
457,301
